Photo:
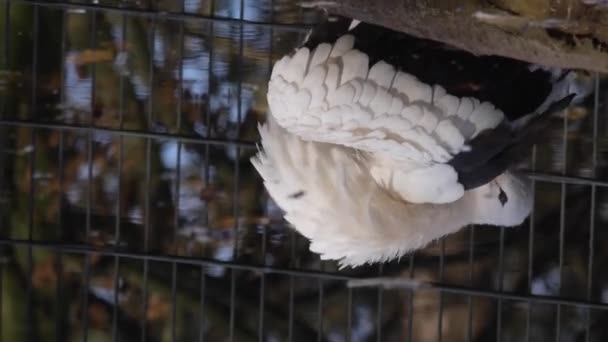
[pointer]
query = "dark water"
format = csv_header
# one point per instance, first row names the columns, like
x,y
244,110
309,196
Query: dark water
x,y
132,131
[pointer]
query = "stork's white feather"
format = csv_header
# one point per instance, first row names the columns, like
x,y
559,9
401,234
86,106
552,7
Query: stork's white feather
x,y
368,93
337,98
465,108
449,135
414,89
320,54
429,120
342,46
279,67
358,85
315,77
296,68
438,93
437,183
354,65
447,104
344,95
330,83
332,119
312,82
310,121
399,125
381,103
382,73
356,117
354,24
485,117
396,106
428,144
350,216
412,113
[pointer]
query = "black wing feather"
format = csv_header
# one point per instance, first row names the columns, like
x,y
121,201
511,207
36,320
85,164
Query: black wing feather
x,y
495,150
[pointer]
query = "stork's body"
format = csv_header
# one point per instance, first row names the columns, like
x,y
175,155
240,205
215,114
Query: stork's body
x,y
383,162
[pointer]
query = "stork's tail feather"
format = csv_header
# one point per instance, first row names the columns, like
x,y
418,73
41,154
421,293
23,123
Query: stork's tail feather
x,y
565,83
535,131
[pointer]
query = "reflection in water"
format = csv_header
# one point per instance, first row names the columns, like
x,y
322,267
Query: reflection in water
x,y
162,196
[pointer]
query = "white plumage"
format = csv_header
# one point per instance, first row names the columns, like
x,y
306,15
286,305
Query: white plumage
x,y
357,156
387,113
330,196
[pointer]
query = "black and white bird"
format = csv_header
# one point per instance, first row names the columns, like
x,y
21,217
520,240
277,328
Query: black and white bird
x,y
378,143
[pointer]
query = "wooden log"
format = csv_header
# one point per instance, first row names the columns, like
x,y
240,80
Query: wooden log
x,y
567,34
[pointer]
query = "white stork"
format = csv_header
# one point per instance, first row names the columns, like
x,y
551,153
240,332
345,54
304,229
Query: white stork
x,y
378,143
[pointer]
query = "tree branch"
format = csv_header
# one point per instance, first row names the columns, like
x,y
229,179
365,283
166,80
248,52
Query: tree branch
x,y
574,35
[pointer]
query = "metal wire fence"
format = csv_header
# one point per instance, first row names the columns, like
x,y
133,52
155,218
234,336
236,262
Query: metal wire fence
x,y
130,212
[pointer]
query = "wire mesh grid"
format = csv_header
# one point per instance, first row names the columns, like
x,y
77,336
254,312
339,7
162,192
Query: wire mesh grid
x,y
130,211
